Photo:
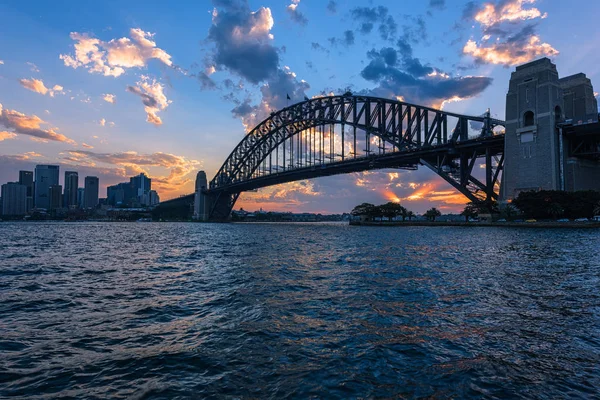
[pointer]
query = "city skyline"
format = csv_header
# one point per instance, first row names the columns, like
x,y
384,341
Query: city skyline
x,y
114,96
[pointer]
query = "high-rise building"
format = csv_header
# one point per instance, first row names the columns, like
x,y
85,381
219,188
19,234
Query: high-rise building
x,y
80,197
26,179
55,197
90,197
14,199
120,194
45,176
71,185
141,185
154,198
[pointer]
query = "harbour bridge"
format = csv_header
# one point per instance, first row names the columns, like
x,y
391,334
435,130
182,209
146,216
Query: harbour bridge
x,y
347,133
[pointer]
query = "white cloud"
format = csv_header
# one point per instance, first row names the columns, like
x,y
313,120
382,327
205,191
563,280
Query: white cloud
x,y
153,98
109,98
23,124
38,86
112,58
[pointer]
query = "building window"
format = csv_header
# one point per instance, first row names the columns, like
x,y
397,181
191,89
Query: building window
x,y
528,118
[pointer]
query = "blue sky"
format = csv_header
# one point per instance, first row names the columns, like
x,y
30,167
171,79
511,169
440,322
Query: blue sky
x,y
174,74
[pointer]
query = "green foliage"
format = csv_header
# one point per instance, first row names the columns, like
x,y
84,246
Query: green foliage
x,y
432,214
550,204
508,212
470,211
388,210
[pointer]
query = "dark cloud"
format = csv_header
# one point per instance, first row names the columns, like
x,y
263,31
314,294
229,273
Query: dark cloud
x,y
368,17
437,4
332,6
398,73
206,83
319,47
242,39
347,40
146,98
296,15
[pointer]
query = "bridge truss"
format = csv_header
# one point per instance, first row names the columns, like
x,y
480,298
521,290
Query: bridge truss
x,y
342,134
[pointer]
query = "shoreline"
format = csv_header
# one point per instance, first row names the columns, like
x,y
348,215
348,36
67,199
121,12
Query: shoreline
x,y
570,225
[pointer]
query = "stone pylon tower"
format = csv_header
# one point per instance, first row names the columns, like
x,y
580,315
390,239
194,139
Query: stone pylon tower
x,y
536,153
531,151
201,203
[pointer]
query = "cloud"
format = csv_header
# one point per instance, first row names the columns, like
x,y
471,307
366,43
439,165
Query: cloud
x,y
399,74
153,98
347,40
368,17
505,40
112,58
242,40
33,67
132,163
273,97
437,4
87,146
206,82
109,98
37,85
23,124
507,11
1,62
7,135
296,15
332,6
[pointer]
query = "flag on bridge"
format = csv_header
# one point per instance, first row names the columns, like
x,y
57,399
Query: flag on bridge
x,y
288,96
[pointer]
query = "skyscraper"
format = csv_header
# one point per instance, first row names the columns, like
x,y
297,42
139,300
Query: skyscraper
x,y
80,197
71,185
26,179
14,199
45,176
55,197
141,186
90,197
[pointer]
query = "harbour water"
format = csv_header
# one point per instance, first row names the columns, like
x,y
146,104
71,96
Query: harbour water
x,y
169,310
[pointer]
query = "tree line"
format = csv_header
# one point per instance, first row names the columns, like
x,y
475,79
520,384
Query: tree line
x,y
390,211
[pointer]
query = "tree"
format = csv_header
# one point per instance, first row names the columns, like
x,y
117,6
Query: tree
x,y
470,211
555,210
365,210
597,209
409,214
432,214
391,210
508,211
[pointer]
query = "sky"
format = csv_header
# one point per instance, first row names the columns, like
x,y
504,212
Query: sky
x,y
112,88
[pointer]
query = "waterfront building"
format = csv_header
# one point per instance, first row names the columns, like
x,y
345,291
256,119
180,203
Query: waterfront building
x,y
154,198
71,185
90,197
26,179
45,176
14,199
80,197
120,194
55,197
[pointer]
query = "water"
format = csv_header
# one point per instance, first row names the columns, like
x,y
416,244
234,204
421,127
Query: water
x,y
144,310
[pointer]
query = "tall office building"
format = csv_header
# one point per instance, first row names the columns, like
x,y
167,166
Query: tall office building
x,y
14,199
71,185
55,197
90,197
80,197
141,186
26,179
45,176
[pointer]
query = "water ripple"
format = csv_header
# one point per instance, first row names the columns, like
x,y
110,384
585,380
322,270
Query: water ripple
x,y
297,311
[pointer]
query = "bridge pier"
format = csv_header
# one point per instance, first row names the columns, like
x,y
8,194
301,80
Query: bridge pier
x,y
202,201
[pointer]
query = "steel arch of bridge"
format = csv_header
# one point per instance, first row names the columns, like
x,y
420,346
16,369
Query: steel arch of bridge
x,y
403,135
